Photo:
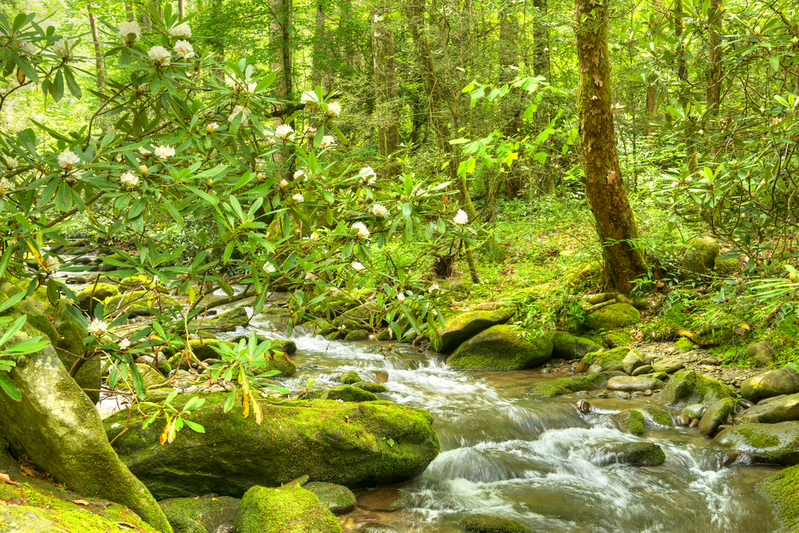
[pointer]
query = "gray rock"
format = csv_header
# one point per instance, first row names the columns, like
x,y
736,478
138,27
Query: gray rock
x,y
761,352
766,443
630,383
772,383
386,500
695,410
464,326
594,369
780,410
715,416
632,453
668,365
210,512
337,498
631,362
641,370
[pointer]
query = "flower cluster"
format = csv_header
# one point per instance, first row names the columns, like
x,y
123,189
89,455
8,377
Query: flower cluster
x,y
68,159
299,175
309,98
363,231
164,152
284,132
5,186
298,197
358,266
159,55
327,141
181,30
11,162
461,218
129,179
63,47
28,47
124,344
212,127
379,210
184,50
367,174
333,109
98,328
128,28
245,115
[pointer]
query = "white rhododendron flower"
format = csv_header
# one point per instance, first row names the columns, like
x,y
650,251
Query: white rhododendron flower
x,y
299,174
327,140
130,27
314,236
159,55
68,159
333,109
184,49
251,87
245,115
309,97
98,328
164,152
143,169
129,179
433,288
181,30
284,183
461,218
124,344
63,47
358,266
400,296
298,197
379,210
284,132
367,173
212,127
144,151
360,227
28,48
12,162
269,268
5,186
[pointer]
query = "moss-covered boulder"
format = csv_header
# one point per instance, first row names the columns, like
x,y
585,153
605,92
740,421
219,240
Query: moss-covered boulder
x,y
357,335
282,510
687,387
772,383
613,316
227,321
631,453
629,421
349,377
715,416
761,353
344,393
556,387
371,387
59,429
568,346
502,348
207,348
684,345
481,523
151,377
782,491
337,498
766,443
95,293
142,303
614,357
461,327
211,512
779,410
668,365
337,442
700,257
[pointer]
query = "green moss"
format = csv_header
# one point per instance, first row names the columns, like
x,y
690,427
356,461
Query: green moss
x,y
684,345
464,326
480,523
280,361
658,330
349,377
632,453
618,338
606,359
95,293
208,512
570,346
758,439
613,316
371,387
337,498
503,348
659,415
629,421
556,387
282,510
782,491
345,393
687,387
142,303
357,335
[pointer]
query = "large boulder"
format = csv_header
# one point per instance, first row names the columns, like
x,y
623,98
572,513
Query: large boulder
x,y
284,509
614,357
771,383
227,321
779,410
142,303
568,346
211,512
337,498
558,386
59,429
352,444
766,443
715,416
761,353
464,326
687,387
631,453
613,316
700,257
633,383
481,523
93,294
502,348
781,491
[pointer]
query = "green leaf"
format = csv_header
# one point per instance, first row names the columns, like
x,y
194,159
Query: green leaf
x,y
774,61
74,88
9,388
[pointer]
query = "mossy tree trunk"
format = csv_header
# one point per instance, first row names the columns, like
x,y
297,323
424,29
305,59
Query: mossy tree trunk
x,y
605,189
385,81
98,50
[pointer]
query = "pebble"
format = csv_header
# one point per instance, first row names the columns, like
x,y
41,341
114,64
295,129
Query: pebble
x,y
683,419
648,392
694,423
583,406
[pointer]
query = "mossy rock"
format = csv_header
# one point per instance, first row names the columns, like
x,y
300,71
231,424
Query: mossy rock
x,y
227,321
207,348
481,523
95,293
766,443
384,335
142,303
684,345
568,346
772,383
283,510
140,282
617,338
658,329
779,410
209,512
559,386
687,387
604,359
781,490
461,327
280,361
630,453
715,416
345,393
357,335
613,316
152,378
502,348
349,377
584,276
629,421
700,257
371,387
337,498
336,442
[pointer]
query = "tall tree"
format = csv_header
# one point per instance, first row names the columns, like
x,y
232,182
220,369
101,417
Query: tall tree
x,y
280,31
385,81
616,228
714,58
98,50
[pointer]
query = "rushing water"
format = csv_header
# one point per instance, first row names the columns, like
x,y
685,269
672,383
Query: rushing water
x,y
507,454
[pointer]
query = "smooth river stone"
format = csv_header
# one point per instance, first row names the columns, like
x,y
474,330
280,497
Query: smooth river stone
x,y
772,383
668,365
781,410
631,384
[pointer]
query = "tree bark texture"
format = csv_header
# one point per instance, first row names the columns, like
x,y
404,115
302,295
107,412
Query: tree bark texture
x,y
385,81
280,29
714,59
98,51
605,189
319,64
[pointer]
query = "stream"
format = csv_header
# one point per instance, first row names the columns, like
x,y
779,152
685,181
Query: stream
x,y
507,454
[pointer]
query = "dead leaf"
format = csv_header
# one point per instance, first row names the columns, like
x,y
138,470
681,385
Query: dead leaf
x,y
126,524
27,471
81,502
4,477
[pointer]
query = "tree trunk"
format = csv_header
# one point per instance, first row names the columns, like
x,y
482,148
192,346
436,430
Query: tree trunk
x,y
181,9
511,104
98,51
319,45
542,67
385,81
714,59
605,190
129,10
281,46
